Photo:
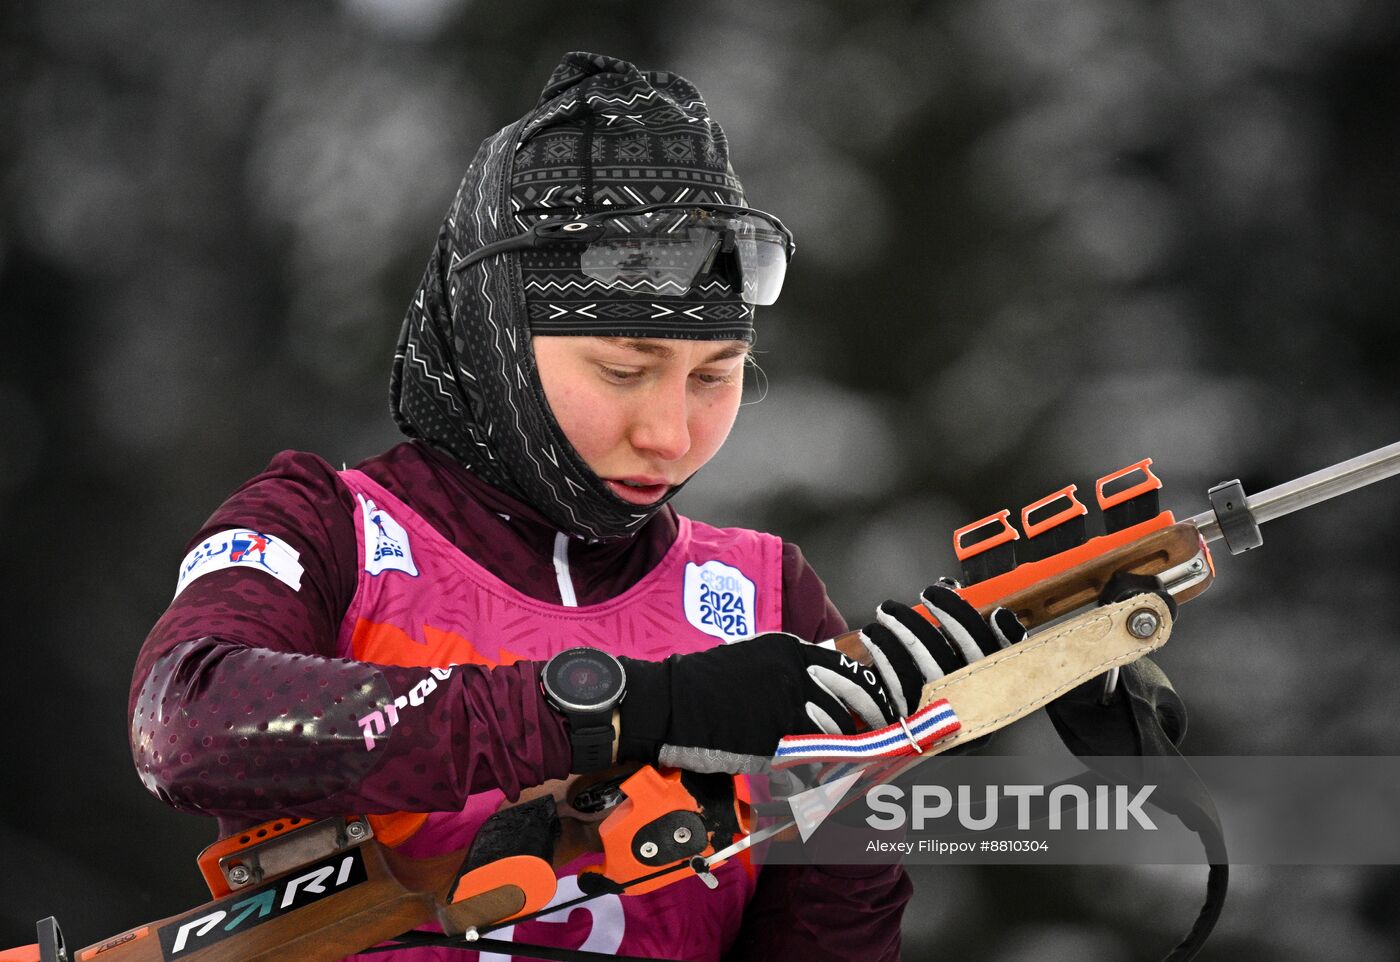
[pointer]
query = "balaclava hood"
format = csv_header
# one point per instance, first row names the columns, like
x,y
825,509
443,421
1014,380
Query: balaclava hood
x,y
604,134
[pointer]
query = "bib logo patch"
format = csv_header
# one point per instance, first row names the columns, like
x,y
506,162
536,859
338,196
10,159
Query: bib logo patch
x,y
242,548
719,600
386,542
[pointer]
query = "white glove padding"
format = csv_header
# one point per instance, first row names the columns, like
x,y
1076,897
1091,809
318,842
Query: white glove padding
x,y
909,651
842,687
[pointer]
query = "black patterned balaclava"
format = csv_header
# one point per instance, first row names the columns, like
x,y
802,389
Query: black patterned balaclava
x,y
603,134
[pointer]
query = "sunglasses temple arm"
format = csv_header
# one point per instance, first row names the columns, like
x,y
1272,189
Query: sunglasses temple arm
x,y
526,241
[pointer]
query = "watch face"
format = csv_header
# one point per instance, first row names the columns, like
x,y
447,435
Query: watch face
x,y
583,678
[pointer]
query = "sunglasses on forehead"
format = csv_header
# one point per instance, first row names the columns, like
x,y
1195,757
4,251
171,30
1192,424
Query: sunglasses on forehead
x,y
665,249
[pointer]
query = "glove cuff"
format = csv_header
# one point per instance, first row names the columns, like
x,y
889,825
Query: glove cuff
x,y
645,711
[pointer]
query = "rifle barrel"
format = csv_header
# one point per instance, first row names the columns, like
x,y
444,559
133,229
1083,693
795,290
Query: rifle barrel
x,y
1310,489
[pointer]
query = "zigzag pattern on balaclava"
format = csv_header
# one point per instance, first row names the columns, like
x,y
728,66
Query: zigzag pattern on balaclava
x,y
603,134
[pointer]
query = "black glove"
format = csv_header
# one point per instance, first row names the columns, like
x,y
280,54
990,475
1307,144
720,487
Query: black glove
x,y
727,708
910,652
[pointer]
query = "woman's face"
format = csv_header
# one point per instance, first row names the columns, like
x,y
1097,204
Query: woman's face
x,y
644,413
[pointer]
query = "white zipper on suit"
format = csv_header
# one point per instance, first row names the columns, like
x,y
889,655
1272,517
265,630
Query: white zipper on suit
x,y
567,598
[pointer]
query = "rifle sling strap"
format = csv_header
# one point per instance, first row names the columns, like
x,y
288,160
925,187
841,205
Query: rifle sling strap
x,y
1147,718
505,947
1060,669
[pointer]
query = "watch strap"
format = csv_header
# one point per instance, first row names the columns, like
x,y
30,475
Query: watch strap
x,y
592,738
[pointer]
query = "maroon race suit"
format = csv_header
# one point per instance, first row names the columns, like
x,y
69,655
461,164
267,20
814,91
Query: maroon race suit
x,y
241,711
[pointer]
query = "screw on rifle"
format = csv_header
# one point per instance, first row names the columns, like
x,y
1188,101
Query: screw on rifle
x,y
702,869
648,850
471,934
355,831
682,835
239,874
1142,623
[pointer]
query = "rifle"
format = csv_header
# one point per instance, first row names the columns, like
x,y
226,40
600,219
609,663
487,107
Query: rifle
x,y
319,890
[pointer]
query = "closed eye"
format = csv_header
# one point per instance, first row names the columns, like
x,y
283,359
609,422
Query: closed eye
x,y
714,380
620,375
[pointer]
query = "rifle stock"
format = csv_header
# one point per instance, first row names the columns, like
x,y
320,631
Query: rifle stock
x,y
370,894
1044,591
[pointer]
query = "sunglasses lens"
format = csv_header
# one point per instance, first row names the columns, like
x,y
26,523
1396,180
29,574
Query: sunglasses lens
x,y
762,261
667,252
654,263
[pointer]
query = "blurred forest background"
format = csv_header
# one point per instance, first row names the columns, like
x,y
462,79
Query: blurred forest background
x,y
1038,240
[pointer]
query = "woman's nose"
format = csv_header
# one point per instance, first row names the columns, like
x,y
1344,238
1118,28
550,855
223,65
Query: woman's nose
x,y
661,422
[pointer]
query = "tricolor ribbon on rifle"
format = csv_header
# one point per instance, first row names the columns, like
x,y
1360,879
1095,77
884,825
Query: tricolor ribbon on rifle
x,y
908,736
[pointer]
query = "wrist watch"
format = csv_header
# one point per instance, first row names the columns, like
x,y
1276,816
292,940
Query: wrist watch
x,y
585,684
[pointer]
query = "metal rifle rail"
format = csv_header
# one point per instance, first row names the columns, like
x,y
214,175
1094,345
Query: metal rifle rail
x,y
1271,503
1310,489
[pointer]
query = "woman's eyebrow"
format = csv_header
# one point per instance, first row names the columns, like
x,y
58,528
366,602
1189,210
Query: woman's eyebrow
x,y
665,353
725,353
642,347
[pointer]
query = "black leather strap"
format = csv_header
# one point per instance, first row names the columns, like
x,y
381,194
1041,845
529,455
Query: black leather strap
x,y
1148,718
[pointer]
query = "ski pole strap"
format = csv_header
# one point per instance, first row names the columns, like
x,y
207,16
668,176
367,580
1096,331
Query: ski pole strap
x,y
908,736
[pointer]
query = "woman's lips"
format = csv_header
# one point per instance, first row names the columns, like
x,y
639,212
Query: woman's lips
x,y
638,493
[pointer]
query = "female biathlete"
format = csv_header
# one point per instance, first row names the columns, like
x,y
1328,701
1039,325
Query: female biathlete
x,y
373,640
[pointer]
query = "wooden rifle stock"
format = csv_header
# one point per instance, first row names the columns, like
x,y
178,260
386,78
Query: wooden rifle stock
x,y
383,895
